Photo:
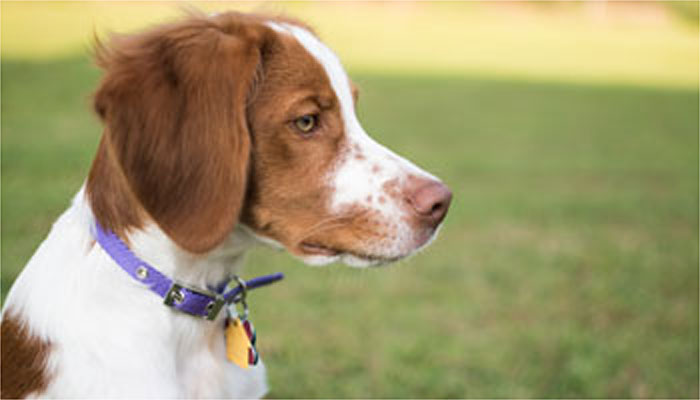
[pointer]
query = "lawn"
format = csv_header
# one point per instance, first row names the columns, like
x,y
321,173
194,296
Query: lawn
x,y
567,266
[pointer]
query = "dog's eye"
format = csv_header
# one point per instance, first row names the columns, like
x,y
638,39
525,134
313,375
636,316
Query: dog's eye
x,y
306,123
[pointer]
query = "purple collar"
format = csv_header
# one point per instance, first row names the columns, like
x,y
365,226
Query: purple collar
x,y
200,302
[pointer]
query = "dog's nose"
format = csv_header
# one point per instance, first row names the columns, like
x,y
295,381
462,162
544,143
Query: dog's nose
x,y
429,200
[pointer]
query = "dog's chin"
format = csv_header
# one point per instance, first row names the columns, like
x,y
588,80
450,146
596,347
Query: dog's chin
x,y
319,255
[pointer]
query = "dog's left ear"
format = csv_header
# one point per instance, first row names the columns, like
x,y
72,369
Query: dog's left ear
x,y
174,101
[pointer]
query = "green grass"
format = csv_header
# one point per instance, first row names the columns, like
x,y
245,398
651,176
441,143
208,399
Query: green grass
x,y
567,267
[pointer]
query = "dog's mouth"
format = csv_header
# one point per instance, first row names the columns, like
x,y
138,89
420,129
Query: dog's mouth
x,y
346,255
316,249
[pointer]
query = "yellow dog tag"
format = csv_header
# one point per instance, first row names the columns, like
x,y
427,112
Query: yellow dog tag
x,y
237,343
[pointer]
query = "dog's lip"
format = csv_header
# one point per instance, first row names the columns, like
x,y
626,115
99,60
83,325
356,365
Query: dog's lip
x,y
318,249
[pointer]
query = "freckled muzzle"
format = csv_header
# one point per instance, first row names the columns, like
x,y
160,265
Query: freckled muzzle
x,y
376,237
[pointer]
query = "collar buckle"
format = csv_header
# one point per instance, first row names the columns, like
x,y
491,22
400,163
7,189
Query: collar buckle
x,y
177,295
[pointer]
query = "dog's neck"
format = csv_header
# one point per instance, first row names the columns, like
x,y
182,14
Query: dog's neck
x,y
152,245
72,293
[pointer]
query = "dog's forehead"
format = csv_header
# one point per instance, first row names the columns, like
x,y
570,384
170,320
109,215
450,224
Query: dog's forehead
x,y
340,83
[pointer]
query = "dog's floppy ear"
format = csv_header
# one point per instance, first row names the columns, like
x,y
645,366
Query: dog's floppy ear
x,y
173,101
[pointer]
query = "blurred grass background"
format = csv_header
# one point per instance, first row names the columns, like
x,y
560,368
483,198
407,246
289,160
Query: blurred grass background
x,y
568,265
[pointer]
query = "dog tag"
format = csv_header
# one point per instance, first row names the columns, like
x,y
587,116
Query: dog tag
x,y
237,343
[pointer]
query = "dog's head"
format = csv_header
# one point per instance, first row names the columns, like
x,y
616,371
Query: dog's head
x,y
227,119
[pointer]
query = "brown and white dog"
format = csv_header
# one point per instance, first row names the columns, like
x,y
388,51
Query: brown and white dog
x,y
220,132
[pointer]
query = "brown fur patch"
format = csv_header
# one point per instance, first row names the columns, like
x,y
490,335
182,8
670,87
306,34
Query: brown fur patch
x,y
24,360
392,187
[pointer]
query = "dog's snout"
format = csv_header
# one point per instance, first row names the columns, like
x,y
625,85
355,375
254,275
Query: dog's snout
x,y
429,200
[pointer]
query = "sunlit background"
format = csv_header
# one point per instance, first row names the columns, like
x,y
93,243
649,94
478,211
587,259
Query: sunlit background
x,y
568,265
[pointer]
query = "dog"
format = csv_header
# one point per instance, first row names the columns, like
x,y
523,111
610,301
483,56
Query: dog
x,y
220,132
